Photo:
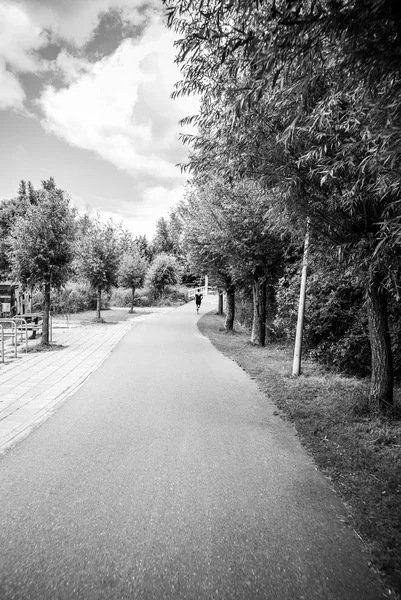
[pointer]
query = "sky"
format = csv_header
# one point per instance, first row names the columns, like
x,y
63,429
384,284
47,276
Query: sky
x,y
85,97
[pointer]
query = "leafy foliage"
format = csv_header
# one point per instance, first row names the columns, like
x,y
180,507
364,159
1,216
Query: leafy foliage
x,y
10,210
132,271
41,241
162,242
163,271
98,253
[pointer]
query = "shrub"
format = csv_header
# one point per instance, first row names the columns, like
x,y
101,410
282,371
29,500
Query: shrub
x,y
37,301
164,271
335,331
75,297
120,297
244,307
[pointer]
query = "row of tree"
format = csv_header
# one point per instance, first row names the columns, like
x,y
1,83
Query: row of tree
x,y
45,243
299,121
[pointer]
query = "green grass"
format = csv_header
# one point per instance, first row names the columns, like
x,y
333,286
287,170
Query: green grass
x,y
115,315
362,457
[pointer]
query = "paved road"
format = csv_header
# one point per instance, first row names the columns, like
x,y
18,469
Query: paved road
x,y
167,476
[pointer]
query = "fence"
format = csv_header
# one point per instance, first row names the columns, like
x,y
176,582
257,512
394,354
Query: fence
x,y
19,327
205,290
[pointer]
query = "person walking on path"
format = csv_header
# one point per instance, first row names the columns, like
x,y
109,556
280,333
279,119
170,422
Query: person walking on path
x,y
198,299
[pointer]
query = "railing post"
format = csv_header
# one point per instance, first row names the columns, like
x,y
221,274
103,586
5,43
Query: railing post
x,y
15,339
2,342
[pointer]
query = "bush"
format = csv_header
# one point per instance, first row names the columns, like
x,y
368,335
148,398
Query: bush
x,y
37,301
144,297
120,297
244,308
176,294
74,297
163,272
335,332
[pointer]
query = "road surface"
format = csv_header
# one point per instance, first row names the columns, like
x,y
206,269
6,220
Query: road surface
x,y
167,476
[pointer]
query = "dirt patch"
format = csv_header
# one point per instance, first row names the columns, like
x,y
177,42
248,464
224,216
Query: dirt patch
x,y
361,456
45,348
88,317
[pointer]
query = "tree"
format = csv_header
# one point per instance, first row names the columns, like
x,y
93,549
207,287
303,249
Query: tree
x,y
202,244
41,246
145,248
162,242
22,192
324,79
98,257
163,271
131,272
229,225
9,211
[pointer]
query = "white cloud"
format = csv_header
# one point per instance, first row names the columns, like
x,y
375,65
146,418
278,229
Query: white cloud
x,y
120,106
139,215
19,39
75,20
11,93
71,67
141,218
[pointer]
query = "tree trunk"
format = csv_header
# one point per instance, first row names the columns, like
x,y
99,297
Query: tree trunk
x,y
46,315
220,302
382,379
270,312
98,303
258,335
132,299
230,309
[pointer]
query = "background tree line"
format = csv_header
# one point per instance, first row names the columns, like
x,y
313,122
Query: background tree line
x,y
73,260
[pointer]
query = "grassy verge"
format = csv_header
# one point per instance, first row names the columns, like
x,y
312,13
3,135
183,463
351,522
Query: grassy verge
x,y
111,315
361,456
108,315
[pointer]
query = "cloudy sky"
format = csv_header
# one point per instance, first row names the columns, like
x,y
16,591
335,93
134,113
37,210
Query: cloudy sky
x,y
85,97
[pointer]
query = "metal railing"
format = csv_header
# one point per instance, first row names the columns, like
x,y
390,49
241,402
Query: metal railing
x,y
13,334
11,327
209,290
22,328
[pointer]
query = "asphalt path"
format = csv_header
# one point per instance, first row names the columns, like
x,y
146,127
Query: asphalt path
x,y
168,476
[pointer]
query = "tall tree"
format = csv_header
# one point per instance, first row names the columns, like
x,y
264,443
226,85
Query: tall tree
x,y
98,257
145,248
231,222
202,244
42,246
132,271
162,242
9,211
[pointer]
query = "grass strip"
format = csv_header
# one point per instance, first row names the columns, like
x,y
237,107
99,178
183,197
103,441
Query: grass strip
x,y
361,456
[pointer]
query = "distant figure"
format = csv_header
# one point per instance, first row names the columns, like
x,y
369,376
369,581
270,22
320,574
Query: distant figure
x,y
198,299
